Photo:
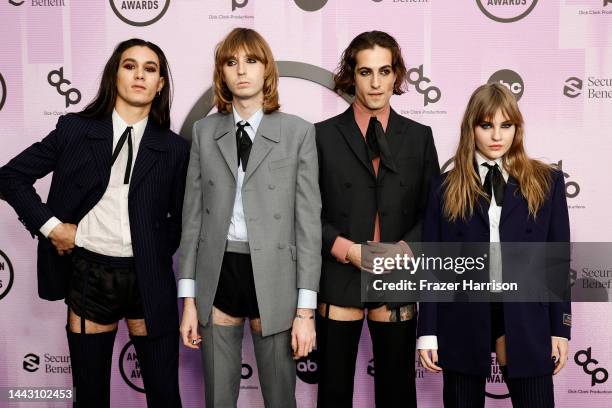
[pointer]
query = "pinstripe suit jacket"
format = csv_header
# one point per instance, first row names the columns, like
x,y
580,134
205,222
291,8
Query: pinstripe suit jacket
x,y
78,152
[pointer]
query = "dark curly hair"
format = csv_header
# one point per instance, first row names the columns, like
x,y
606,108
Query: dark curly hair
x,y
344,79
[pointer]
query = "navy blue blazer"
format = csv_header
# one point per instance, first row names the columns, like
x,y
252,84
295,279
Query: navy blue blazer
x,y
78,152
464,329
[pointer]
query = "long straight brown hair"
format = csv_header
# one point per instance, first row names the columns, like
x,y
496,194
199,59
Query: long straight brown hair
x,y
255,47
463,186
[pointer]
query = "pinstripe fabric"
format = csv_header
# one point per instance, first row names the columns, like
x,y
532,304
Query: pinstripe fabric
x,y
78,152
463,390
531,392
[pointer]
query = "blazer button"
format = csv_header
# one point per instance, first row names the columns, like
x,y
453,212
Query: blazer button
x,y
271,186
277,216
212,183
281,246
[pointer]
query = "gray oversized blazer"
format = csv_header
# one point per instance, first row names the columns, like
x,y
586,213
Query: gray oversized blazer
x,y
282,208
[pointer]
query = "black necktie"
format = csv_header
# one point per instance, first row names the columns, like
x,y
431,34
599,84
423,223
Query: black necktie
x,y
377,144
494,183
243,144
127,134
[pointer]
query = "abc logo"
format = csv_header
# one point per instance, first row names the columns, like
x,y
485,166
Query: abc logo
x,y
510,80
311,5
307,368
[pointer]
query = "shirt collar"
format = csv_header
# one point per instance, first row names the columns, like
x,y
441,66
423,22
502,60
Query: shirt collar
x,y
119,126
482,170
363,115
254,120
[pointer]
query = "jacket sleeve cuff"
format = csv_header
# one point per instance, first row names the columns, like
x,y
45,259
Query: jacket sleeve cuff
x,y
340,249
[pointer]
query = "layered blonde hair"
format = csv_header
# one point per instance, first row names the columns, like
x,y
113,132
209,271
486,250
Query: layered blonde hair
x,y
255,47
462,184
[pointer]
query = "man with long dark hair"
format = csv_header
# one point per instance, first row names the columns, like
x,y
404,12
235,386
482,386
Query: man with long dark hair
x,y
375,167
111,223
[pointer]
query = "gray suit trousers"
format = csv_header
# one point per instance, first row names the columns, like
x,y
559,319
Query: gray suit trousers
x,y
222,363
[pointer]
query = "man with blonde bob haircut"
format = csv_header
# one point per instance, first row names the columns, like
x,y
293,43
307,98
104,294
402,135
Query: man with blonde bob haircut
x,y
251,243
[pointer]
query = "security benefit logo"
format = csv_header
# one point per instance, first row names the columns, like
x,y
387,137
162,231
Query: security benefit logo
x,y
594,88
56,79
129,367
496,386
592,368
307,368
7,275
416,77
50,363
140,13
510,80
506,11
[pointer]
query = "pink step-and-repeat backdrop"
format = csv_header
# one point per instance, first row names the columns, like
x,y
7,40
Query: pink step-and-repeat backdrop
x,y
556,56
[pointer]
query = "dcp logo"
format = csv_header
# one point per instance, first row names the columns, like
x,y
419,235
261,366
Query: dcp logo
x,y
572,189
598,375
510,80
311,5
31,362
6,275
239,4
504,11
2,91
307,368
140,13
573,86
430,94
606,2
73,95
129,367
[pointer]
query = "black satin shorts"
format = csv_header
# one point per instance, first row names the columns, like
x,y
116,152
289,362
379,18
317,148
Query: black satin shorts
x,y
103,289
236,289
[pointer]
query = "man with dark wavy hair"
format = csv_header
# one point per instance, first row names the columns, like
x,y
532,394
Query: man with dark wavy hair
x,y
375,168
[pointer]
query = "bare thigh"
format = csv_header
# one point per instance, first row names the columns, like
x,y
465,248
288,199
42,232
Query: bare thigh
x,y
500,351
384,314
74,325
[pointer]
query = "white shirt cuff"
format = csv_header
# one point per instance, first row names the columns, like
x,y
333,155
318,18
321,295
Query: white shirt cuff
x,y
427,343
186,288
307,299
49,225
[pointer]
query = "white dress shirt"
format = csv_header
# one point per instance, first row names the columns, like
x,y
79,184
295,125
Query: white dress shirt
x,y
105,229
237,231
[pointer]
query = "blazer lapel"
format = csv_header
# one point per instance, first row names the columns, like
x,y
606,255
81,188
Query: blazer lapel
x,y
226,141
512,197
151,145
351,133
268,133
100,136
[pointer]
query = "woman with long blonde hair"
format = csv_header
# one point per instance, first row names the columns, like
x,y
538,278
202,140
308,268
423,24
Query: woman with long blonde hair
x,y
495,192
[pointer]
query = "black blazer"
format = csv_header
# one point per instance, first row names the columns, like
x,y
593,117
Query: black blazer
x,y
350,192
464,329
78,152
